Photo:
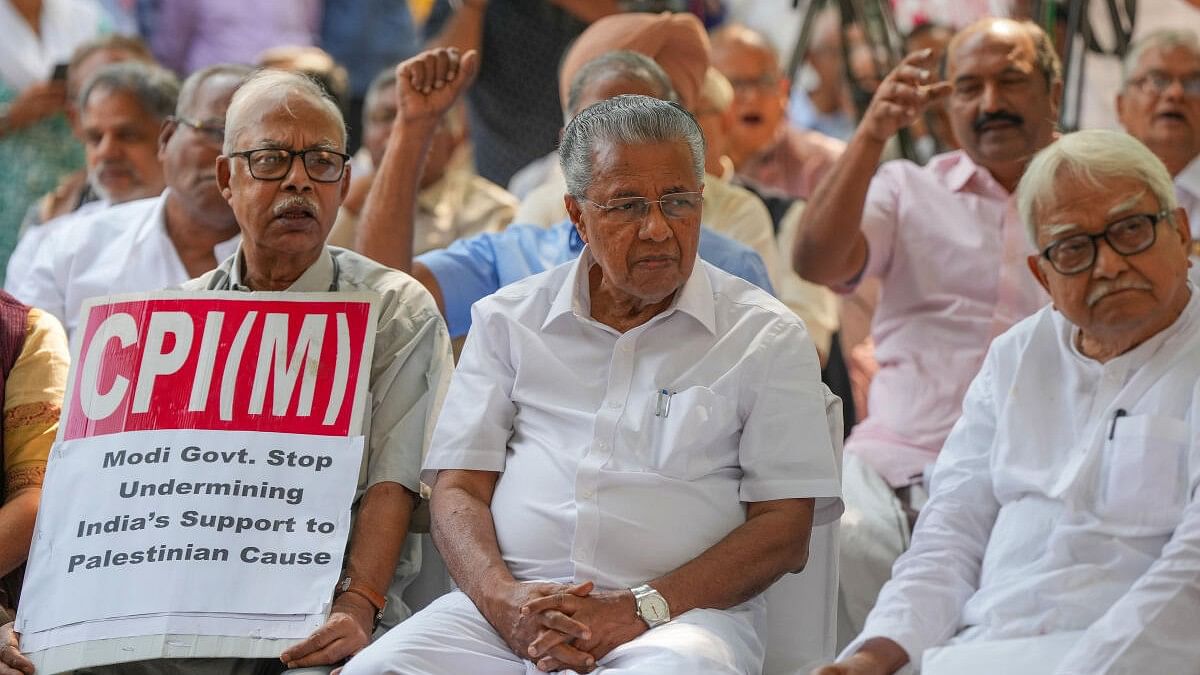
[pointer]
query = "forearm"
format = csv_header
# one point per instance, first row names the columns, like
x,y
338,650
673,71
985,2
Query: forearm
x,y
830,248
464,29
385,228
378,536
16,528
744,563
465,535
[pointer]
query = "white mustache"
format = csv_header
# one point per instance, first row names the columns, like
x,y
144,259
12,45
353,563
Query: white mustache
x,y
293,202
1105,288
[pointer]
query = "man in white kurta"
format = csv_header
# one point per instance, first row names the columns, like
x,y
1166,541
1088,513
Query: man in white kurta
x,y
1062,514
147,244
622,459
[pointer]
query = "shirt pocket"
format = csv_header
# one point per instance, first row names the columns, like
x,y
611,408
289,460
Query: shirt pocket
x,y
692,435
1144,476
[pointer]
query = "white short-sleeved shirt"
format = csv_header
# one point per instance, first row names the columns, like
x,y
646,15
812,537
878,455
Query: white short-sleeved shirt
x,y
602,478
121,249
1064,500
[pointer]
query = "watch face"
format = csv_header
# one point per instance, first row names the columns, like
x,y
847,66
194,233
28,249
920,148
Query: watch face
x,y
654,608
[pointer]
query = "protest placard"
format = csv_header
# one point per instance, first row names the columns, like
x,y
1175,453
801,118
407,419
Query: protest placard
x,y
207,458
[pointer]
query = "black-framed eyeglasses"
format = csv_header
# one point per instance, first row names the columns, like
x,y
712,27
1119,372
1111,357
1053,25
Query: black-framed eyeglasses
x,y
1127,236
1156,82
215,132
321,165
633,210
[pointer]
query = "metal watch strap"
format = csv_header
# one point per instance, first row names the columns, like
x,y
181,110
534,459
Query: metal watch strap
x,y
644,591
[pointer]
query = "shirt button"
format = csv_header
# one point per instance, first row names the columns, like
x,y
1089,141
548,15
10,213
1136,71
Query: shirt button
x,y
614,404
588,493
626,347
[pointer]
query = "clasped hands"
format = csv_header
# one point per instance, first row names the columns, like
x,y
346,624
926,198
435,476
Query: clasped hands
x,y
561,626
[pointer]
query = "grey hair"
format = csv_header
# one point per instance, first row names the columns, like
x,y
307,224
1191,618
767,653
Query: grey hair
x,y
1159,39
1089,156
625,120
193,83
278,86
155,88
619,63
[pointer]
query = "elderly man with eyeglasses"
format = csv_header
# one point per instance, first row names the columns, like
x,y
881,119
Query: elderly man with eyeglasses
x,y
146,244
634,445
1062,532
1160,106
283,172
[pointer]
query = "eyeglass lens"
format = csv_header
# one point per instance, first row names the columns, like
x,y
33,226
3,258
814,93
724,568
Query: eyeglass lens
x,y
272,164
1127,237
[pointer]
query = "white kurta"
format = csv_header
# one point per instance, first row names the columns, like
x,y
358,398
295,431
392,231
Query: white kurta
x,y
121,249
599,478
1064,501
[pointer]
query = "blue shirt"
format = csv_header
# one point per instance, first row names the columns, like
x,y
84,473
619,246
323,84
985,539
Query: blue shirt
x,y
473,268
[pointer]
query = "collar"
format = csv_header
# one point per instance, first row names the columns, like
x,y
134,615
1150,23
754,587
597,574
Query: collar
x,y
319,277
156,220
957,169
694,299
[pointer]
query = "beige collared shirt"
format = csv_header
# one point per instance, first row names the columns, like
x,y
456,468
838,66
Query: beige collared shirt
x,y
410,366
410,370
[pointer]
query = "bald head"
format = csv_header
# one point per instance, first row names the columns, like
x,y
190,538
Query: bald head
x,y
736,40
991,33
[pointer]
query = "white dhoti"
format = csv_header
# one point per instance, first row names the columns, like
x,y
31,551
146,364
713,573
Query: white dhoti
x,y
451,636
874,532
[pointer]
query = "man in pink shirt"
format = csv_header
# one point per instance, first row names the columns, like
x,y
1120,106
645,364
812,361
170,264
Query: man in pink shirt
x,y
766,151
948,247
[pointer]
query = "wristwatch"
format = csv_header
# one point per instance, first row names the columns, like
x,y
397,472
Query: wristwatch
x,y
651,605
379,602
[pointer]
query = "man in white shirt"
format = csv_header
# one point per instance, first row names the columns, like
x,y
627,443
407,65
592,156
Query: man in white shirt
x,y
1062,515
1159,104
122,109
634,445
154,243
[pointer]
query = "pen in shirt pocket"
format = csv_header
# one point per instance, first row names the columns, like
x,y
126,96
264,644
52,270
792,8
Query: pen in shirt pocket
x,y
662,406
1112,429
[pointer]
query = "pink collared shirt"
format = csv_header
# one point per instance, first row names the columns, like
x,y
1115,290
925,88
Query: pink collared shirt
x,y
794,163
950,249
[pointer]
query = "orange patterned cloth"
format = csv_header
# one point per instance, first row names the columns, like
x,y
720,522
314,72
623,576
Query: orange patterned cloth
x,y
32,400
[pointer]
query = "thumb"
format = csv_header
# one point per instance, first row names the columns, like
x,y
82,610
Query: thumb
x,y
581,589
468,67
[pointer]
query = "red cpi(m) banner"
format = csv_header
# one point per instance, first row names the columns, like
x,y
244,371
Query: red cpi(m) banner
x,y
218,363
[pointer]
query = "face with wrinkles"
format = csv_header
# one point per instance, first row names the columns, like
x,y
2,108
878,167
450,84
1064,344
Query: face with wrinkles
x,y
120,139
1156,108
1121,298
189,155
647,260
1001,109
290,216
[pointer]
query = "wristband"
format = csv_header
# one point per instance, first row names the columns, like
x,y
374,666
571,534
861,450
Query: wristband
x,y
376,600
